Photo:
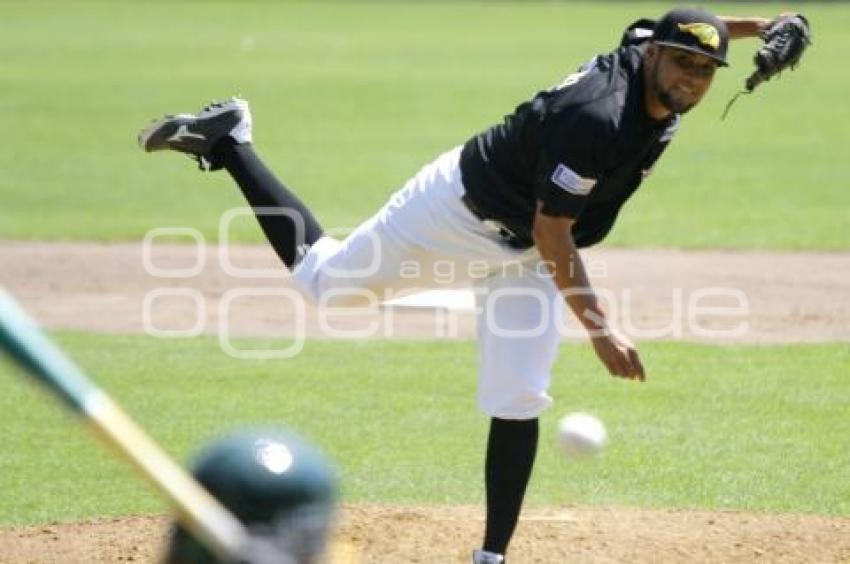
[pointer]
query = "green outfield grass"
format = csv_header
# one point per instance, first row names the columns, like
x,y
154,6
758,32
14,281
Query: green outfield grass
x,y
351,98
756,428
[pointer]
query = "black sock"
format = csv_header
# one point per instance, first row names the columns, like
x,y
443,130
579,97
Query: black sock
x,y
511,448
286,233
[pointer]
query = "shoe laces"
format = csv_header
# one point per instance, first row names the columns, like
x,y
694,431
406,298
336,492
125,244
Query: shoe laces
x,y
211,105
217,104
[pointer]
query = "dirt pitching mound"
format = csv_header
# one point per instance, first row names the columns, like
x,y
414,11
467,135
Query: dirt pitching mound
x,y
383,534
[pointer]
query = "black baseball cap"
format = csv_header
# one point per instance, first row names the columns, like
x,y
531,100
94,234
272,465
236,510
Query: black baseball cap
x,y
694,30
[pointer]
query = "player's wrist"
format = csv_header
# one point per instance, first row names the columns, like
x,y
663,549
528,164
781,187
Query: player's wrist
x,y
763,24
595,323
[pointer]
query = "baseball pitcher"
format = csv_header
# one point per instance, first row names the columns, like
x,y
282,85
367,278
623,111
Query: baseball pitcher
x,y
527,192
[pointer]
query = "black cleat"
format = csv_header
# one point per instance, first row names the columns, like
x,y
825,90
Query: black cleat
x,y
196,135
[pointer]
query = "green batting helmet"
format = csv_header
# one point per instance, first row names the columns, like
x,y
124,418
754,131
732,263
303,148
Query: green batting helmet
x,y
280,487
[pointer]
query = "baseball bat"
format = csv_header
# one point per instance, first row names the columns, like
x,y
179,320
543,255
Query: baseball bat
x,y
202,515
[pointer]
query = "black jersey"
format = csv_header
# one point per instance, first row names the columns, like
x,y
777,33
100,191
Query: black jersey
x,y
581,148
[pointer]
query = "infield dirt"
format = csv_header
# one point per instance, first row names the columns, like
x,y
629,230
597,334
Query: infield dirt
x,y
790,297
374,534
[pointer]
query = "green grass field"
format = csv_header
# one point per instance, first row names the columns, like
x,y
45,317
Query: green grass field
x,y
715,427
351,98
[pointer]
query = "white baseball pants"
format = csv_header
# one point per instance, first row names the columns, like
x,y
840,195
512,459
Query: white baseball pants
x,y
425,226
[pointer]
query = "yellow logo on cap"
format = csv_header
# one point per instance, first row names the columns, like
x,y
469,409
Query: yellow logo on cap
x,y
707,34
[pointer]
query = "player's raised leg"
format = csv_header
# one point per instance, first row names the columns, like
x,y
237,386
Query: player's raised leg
x,y
219,136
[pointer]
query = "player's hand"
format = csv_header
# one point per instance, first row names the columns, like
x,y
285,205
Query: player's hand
x,y
618,354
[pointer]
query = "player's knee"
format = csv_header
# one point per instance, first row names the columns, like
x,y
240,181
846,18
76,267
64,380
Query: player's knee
x,y
513,392
306,277
324,286
514,404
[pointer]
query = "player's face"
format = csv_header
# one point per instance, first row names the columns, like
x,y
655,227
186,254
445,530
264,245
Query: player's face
x,y
680,78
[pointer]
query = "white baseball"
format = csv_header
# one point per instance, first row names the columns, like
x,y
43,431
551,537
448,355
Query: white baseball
x,y
581,434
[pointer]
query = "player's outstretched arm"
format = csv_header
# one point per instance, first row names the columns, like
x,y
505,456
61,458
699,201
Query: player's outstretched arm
x,y
554,240
741,28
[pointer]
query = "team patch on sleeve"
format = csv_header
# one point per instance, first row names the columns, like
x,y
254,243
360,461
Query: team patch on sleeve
x,y
565,178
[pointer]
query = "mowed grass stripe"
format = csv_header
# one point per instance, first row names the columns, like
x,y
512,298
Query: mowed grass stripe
x,y
744,427
351,98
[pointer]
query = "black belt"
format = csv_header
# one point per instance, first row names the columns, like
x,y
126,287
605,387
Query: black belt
x,y
507,236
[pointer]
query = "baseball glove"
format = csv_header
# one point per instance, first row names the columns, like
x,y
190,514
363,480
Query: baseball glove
x,y
785,40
